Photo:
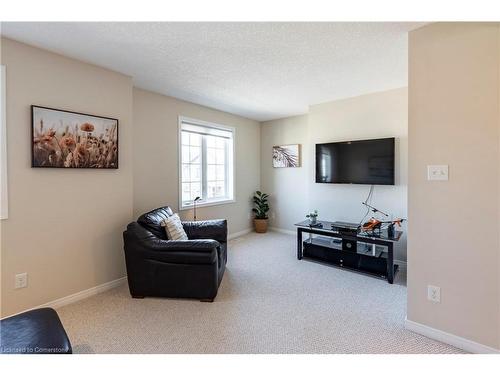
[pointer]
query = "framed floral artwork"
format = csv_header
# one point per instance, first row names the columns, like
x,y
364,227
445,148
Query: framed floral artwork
x,y
65,139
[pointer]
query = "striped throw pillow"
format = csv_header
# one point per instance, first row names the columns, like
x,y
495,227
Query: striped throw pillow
x,y
174,229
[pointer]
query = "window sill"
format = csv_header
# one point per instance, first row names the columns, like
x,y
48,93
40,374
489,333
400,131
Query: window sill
x,y
208,204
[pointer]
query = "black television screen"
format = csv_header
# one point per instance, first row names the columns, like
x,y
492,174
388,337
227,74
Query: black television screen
x,y
356,162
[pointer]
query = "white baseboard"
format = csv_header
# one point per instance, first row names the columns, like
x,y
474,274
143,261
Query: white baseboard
x,y
60,302
232,236
246,231
448,338
284,231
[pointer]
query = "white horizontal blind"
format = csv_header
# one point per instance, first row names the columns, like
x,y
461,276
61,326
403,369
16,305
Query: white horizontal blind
x,y
205,130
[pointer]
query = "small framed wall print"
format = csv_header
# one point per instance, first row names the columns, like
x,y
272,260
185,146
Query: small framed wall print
x,y
65,139
286,156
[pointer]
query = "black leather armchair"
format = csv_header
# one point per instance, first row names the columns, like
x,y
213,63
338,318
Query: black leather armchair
x,y
159,267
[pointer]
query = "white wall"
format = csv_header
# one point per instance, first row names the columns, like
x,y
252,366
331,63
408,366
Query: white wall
x,y
454,119
156,156
4,210
294,191
287,186
3,162
64,226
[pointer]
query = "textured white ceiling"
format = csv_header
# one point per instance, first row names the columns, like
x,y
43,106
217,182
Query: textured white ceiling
x,y
257,70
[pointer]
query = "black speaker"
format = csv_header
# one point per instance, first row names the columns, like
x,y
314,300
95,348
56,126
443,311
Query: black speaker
x,y
349,245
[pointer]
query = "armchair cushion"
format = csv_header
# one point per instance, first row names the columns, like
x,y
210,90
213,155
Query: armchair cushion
x,y
173,228
152,220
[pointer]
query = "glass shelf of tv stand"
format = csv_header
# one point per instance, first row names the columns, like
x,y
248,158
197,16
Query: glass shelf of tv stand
x,y
334,243
370,249
325,226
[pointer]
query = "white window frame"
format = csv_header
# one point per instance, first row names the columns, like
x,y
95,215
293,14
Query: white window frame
x,y
212,202
4,211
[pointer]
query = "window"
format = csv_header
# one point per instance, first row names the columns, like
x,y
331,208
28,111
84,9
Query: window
x,y
206,163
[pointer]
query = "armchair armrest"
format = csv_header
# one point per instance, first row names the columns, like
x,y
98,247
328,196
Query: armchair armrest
x,y
212,229
200,246
186,252
139,240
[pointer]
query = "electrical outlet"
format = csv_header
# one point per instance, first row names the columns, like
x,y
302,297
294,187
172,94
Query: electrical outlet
x,y
249,216
21,280
434,293
273,215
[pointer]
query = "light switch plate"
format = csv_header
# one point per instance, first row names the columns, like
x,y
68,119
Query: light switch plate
x,y
437,172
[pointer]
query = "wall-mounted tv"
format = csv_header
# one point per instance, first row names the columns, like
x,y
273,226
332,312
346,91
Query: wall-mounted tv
x,y
368,162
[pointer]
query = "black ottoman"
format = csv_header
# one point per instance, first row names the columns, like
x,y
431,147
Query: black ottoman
x,y
34,332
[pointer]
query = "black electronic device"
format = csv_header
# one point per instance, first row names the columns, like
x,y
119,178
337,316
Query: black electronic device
x,y
349,245
345,228
356,162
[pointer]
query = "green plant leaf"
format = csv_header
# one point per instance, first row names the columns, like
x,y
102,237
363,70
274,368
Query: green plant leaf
x,y
261,205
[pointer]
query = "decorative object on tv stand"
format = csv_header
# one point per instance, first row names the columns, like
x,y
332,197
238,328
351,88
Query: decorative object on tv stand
x,y
260,211
286,156
65,139
313,217
374,224
194,204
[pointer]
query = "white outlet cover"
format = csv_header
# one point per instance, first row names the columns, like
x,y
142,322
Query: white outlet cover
x,y
433,293
21,280
437,172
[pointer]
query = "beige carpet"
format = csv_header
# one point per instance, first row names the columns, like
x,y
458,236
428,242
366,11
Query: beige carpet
x,y
269,302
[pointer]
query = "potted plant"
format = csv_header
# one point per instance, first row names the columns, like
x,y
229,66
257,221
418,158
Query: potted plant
x,y
260,211
313,217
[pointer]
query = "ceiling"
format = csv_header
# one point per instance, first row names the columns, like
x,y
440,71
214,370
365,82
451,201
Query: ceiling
x,y
261,71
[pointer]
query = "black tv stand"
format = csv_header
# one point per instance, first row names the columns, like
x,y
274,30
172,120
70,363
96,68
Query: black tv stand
x,y
362,255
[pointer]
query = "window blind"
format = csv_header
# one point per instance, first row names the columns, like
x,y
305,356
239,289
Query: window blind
x,y
206,130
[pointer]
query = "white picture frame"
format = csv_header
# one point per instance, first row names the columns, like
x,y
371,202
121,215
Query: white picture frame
x,y
286,156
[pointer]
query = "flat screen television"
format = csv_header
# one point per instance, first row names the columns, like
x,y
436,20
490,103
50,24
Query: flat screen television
x,y
368,162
